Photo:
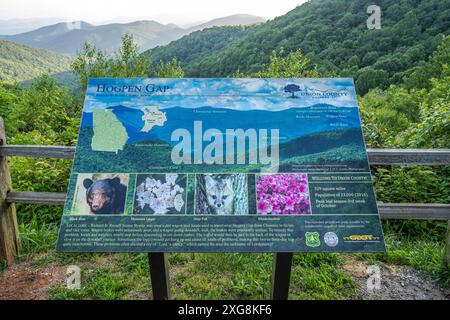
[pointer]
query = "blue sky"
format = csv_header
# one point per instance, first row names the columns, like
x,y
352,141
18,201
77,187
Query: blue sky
x,y
239,94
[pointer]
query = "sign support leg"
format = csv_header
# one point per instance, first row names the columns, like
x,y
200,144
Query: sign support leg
x,y
159,275
281,275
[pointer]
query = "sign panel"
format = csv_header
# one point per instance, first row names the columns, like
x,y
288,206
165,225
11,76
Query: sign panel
x,y
215,165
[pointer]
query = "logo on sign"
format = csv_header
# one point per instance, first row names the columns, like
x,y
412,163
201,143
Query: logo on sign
x,y
298,91
312,239
361,237
331,239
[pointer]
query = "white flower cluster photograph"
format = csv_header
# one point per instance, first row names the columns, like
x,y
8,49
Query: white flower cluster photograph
x,y
160,194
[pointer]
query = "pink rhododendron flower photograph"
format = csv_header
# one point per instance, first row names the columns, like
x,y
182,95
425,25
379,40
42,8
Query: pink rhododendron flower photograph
x,y
285,193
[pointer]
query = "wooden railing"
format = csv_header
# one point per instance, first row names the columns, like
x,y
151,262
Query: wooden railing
x,y
9,243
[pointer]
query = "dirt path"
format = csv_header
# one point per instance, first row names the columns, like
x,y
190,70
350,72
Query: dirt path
x,y
396,283
23,282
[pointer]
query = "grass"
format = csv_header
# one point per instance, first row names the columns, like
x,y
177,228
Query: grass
x,y
233,275
419,244
422,255
212,276
36,238
320,276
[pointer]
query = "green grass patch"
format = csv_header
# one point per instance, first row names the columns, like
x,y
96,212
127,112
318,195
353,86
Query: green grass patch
x,y
37,237
419,244
426,256
320,276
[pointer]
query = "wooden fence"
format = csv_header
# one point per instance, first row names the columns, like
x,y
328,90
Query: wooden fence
x,y
9,235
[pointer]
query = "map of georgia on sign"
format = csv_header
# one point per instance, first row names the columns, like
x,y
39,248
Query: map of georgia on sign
x,y
220,165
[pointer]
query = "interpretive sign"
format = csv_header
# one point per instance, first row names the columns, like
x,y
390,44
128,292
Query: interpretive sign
x,y
214,165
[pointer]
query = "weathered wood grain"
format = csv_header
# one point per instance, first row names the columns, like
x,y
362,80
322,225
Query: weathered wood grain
x,y
9,231
45,198
421,211
58,152
409,156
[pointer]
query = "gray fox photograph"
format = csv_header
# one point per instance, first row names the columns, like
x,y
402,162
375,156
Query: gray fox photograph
x,y
221,194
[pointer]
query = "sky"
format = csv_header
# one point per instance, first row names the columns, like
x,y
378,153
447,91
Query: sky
x,y
165,11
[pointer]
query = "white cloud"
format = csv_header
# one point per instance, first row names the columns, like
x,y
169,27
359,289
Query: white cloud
x,y
240,94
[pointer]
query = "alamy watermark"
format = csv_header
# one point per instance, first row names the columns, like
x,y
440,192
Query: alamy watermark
x,y
73,280
374,279
236,142
374,20
73,25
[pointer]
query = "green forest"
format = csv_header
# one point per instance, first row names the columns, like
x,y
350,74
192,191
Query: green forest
x,y
19,63
402,76
331,33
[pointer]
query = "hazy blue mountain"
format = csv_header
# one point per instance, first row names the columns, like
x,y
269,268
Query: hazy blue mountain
x,y
68,38
15,26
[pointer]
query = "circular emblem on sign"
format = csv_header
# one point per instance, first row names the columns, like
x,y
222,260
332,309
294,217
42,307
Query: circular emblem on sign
x,y
331,239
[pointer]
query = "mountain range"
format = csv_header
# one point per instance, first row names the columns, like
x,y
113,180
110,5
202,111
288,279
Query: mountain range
x,y
332,34
16,26
68,38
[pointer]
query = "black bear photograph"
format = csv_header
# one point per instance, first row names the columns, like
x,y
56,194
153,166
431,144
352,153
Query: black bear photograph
x,y
101,194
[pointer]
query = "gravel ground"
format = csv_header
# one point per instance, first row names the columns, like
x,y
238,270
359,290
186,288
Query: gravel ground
x,y
396,283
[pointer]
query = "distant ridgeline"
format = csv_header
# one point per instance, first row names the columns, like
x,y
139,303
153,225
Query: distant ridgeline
x,y
190,124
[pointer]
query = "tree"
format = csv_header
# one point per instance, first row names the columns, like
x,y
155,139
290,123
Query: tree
x,y
171,69
89,63
292,88
433,127
294,65
368,78
125,63
46,109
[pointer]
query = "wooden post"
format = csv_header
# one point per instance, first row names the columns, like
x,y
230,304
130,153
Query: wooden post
x,y
159,275
281,275
9,232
